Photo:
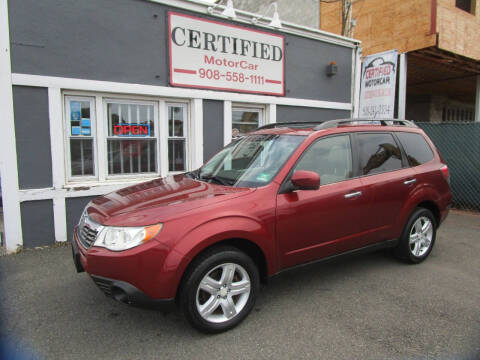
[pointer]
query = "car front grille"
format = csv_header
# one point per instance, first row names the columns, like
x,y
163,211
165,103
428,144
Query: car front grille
x,y
87,232
87,236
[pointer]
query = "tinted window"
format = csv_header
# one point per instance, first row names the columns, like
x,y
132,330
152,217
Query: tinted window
x,y
378,153
416,147
331,158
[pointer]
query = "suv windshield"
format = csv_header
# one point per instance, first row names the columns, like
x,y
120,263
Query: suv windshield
x,y
251,161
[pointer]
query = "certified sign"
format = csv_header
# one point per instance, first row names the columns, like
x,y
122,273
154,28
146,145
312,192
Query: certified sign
x,y
215,55
377,94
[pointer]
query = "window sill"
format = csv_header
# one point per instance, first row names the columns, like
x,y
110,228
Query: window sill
x,y
86,185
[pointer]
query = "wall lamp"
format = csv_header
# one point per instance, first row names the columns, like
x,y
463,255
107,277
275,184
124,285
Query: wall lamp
x,y
276,23
229,11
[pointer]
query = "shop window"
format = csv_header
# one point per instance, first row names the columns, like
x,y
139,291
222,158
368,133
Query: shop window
x,y
80,127
245,120
131,138
466,5
176,137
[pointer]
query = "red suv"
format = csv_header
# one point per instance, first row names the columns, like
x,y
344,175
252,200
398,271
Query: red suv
x,y
284,195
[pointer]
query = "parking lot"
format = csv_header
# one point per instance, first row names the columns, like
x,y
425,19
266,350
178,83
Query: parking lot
x,y
367,307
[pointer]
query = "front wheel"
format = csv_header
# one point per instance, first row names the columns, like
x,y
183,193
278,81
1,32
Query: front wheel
x,y
219,290
418,237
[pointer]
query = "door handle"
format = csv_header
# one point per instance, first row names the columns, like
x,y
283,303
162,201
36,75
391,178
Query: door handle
x,y
411,181
353,194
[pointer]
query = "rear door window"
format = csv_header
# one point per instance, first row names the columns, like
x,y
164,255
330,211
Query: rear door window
x,y
416,147
378,153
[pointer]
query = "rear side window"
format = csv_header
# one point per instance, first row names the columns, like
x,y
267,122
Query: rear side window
x,y
378,153
416,147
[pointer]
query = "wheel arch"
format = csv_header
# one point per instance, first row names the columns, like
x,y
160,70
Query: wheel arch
x,y
433,207
247,246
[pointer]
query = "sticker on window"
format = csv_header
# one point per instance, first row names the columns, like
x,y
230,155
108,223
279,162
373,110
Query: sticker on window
x,y
75,110
263,177
75,130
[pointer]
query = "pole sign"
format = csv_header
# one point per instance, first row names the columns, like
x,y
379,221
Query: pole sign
x,y
209,54
377,91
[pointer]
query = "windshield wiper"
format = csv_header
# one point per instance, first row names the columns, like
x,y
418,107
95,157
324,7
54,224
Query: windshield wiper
x,y
193,174
218,179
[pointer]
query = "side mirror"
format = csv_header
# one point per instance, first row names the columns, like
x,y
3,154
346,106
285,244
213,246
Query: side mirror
x,y
305,180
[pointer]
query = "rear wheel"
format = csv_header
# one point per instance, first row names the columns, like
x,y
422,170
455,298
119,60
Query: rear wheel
x,y
418,237
220,289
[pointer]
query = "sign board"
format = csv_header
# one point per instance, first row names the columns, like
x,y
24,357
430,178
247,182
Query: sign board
x,y
377,90
132,130
209,54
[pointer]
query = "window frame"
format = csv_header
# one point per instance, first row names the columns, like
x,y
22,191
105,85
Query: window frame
x,y
106,137
186,134
67,135
99,118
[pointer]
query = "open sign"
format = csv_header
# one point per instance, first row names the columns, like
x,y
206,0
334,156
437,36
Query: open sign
x,y
132,130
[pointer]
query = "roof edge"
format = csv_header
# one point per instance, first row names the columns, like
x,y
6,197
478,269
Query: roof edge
x,y
245,17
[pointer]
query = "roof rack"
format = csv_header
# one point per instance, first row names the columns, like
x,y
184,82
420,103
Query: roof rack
x,y
384,122
293,124
319,125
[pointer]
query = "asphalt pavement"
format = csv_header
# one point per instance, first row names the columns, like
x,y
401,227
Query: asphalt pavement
x,y
367,307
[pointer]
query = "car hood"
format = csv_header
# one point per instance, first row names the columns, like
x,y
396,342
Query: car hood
x,y
158,200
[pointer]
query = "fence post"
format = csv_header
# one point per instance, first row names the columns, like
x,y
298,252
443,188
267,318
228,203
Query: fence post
x,y
477,101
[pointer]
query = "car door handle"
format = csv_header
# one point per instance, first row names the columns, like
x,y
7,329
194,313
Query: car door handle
x,y
353,194
408,182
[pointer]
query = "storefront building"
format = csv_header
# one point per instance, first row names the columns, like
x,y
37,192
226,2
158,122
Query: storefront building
x,y
99,95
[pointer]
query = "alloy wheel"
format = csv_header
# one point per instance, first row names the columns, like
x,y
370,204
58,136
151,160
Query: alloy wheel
x,y
421,235
223,293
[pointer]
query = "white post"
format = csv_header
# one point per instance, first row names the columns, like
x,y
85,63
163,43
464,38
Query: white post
x,y
271,114
8,151
197,117
477,101
402,86
357,54
227,122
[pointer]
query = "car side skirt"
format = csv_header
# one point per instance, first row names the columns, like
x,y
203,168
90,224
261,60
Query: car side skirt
x,y
363,250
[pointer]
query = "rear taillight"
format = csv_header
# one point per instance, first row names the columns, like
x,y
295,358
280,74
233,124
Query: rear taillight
x,y
445,172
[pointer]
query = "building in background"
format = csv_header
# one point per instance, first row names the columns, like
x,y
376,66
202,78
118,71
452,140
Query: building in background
x,y
301,12
441,42
78,76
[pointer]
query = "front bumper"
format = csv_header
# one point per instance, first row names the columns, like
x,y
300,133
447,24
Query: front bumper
x,y
120,290
129,294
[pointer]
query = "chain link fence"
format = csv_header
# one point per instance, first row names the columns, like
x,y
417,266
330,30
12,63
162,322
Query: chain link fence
x,y
459,145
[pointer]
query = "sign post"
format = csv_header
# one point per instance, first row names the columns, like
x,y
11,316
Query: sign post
x,y
377,89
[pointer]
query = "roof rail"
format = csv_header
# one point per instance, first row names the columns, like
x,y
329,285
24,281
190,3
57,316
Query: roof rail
x,y
319,125
293,124
384,122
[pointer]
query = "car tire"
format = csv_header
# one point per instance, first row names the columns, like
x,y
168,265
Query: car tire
x,y
219,289
418,237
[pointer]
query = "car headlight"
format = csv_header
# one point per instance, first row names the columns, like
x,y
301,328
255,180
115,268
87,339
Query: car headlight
x,y
123,238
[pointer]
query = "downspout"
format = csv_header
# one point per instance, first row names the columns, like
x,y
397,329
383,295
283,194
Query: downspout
x,y
433,18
